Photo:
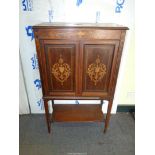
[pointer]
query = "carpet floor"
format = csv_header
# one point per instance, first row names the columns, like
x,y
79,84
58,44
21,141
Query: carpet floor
x,y
76,138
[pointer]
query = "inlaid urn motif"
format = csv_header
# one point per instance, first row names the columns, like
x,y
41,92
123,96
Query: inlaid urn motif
x,y
96,71
61,70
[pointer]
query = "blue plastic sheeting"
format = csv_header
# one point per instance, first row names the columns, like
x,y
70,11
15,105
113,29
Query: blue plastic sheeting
x,y
78,2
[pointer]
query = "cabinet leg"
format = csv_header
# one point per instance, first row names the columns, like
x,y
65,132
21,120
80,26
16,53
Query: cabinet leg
x,y
108,115
47,115
52,119
101,103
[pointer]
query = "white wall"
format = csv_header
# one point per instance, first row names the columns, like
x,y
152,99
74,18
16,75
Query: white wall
x,y
23,99
68,11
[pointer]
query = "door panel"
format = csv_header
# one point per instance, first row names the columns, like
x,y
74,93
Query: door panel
x,y
60,69
97,62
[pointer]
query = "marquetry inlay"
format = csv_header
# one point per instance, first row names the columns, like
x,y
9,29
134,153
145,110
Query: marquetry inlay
x,y
61,70
96,71
80,33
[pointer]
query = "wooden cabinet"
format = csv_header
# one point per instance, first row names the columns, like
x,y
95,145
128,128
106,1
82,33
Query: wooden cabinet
x,y
78,61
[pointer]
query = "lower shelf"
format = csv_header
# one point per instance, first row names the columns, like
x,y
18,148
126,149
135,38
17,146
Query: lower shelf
x,y
77,113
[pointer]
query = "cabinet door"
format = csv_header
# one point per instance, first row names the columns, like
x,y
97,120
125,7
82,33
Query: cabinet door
x,y
98,58
58,63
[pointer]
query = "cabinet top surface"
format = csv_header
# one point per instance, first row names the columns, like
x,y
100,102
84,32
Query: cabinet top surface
x,y
81,25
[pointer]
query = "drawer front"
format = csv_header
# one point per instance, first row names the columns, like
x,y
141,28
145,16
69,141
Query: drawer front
x,y
58,61
77,33
98,61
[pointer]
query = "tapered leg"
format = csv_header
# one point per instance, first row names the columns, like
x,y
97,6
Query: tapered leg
x,y
108,115
101,103
47,115
52,119
52,103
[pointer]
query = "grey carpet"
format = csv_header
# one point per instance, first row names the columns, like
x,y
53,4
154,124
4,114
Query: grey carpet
x,y
77,138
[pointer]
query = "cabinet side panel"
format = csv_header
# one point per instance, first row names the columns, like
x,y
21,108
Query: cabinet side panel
x,y
115,67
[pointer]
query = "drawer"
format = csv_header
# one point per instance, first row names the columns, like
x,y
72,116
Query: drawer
x,y
77,33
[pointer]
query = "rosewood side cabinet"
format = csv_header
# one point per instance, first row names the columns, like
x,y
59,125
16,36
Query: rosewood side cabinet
x,y
78,61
